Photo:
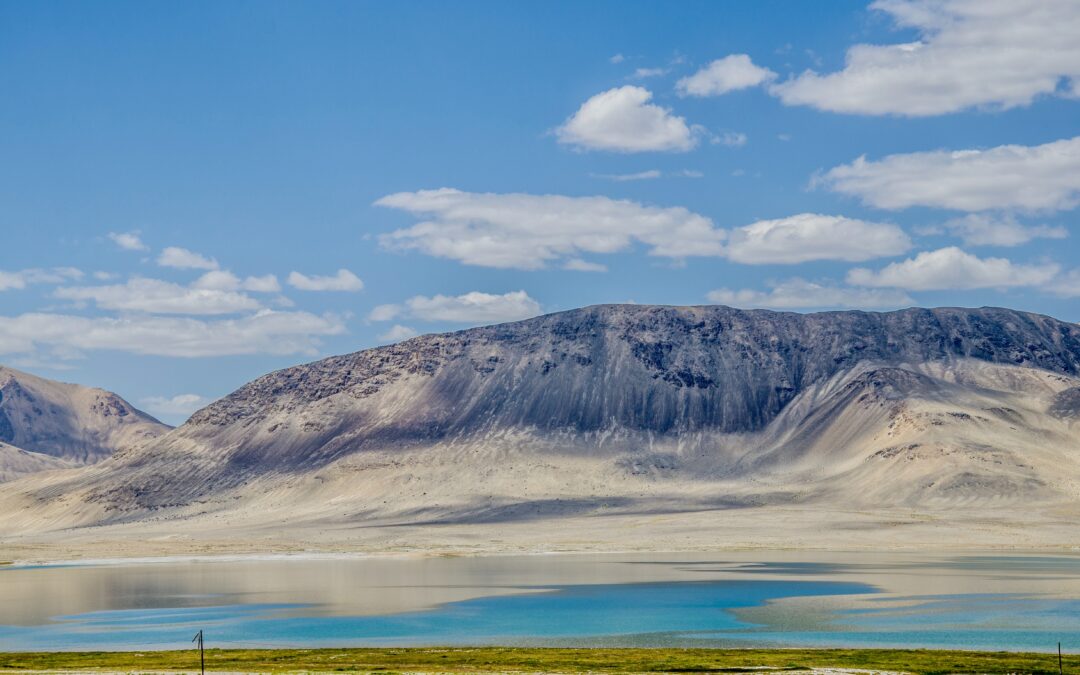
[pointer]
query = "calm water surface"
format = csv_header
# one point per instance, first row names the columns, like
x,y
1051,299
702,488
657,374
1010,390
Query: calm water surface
x,y
775,599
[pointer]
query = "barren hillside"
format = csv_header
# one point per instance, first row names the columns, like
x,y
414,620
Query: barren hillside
x,y
618,427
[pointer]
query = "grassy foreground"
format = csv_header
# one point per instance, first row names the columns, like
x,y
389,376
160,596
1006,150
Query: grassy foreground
x,y
504,659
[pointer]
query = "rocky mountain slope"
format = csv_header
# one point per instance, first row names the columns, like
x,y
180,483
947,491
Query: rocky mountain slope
x,y
661,427
46,424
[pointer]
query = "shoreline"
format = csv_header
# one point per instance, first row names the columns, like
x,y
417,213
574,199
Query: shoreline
x,y
313,556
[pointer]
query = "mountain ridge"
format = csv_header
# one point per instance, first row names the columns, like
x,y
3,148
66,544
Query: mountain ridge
x,y
619,413
424,353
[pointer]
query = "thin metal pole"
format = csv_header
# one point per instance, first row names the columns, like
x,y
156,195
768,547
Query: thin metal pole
x,y
202,655
1061,669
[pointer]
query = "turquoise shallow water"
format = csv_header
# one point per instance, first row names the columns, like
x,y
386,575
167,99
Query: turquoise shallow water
x,y
742,609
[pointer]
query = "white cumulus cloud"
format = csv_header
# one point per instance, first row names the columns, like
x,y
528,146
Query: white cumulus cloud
x,y
343,280
1017,177
969,54
812,236
952,268
526,231
801,294
623,120
724,75
181,258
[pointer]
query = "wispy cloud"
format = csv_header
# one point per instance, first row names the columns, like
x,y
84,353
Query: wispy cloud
x,y
343,280
644,73
129,241
182,258
471,308
530,231
265,332
650,174
801,294
397,333
223,280
623,177
18,280
579,265
733,139
981,229
181,405
160,297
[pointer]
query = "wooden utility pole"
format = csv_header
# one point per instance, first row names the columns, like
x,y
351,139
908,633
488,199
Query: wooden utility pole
x,y
202,654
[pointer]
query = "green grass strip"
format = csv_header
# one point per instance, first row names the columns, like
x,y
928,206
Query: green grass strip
x,y
537,660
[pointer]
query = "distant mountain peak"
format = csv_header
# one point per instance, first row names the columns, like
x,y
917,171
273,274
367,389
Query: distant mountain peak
x,y
73,423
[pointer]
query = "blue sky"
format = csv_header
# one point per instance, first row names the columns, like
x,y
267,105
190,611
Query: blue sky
x,y
196,193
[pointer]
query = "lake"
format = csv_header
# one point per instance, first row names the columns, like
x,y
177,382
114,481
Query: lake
x,y
760,599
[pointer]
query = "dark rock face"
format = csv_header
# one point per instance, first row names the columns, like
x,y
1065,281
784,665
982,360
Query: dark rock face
x,y
7,429
659,369
1066,404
